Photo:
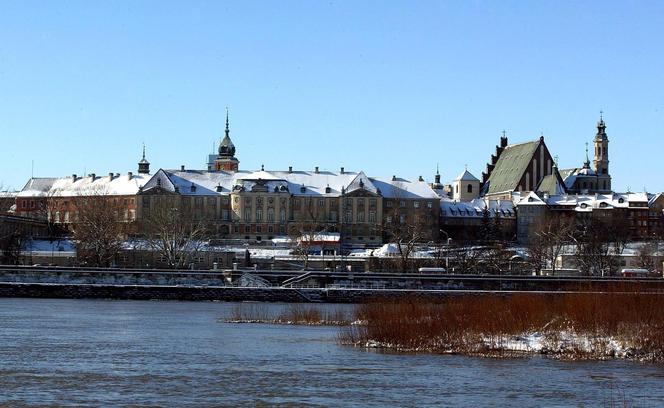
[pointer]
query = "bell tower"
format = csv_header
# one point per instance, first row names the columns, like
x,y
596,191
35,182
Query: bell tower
x,y
601,160
226,160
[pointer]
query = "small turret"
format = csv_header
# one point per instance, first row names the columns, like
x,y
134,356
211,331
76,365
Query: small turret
x,y
144,164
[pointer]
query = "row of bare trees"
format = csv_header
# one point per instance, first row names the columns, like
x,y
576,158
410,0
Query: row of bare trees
x,y
101,229
594,243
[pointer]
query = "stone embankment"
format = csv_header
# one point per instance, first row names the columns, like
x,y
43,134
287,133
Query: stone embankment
x,y
312,286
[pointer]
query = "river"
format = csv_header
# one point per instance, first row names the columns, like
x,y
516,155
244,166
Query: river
x,y
164,353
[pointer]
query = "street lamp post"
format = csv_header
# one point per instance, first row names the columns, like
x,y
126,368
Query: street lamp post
x,y
447,251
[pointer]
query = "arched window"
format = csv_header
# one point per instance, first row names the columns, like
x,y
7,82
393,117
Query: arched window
x,y
470,188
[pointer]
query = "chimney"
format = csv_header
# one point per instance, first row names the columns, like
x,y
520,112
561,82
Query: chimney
x,y
73,177
93,176
290,169
342,171
110,176
394,178
420,179
316,170
182,167
130,175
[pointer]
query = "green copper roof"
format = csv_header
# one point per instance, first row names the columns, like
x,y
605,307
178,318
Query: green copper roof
x,y
552,184
511,167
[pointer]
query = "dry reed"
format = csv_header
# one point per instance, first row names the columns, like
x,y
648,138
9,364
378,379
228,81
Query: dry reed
x,y
295,314
618,323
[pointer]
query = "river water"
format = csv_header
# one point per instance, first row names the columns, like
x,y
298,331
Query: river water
x,y
132,353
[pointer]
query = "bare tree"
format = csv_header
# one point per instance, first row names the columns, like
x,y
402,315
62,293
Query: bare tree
x,y
98,225
646,256
599,241
307,229
550,236
173,232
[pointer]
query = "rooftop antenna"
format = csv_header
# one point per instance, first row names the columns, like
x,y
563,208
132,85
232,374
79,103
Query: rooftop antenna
x,y
32,169
437,171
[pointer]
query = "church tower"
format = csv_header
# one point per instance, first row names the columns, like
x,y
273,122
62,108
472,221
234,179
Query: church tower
x,y
226,160
601,161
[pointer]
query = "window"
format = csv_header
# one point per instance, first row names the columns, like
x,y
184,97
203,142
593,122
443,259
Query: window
x,y
236,228
247,228
270,214
258,229
224,214
360,216
270,229
224,200
259,214
333,216
402,204
349,217
470,188
247,214
429,204
372,202
416,204
372,216
198,201
282,215
402,218
321,203
388,204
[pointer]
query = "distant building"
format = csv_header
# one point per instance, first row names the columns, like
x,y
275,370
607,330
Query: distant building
x,y
466,187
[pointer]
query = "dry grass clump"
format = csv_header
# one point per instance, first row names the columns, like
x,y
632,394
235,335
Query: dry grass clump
x,y
296,314
578,325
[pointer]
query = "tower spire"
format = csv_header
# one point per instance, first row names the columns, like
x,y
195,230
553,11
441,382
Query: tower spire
x,y
587,162
227,127
143,150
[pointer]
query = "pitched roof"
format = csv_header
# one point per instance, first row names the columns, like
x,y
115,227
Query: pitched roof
x,y
552,184
466,176
510,167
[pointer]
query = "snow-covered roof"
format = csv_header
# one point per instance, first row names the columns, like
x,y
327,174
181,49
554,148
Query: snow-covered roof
x,y
298,183
589,202
530,199
402,188
118,184
476,208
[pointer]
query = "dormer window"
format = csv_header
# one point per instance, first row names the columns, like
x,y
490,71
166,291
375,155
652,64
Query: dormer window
x,y
303,189
328,190
193,188
621,200
219,188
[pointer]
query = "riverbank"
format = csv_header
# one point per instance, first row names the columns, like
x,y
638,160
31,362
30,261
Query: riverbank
x,y
566,326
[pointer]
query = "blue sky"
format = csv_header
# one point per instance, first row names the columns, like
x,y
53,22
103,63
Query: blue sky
x,y
386,87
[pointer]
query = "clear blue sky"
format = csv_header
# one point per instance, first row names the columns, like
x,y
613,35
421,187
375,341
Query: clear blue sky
x,y
386,87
